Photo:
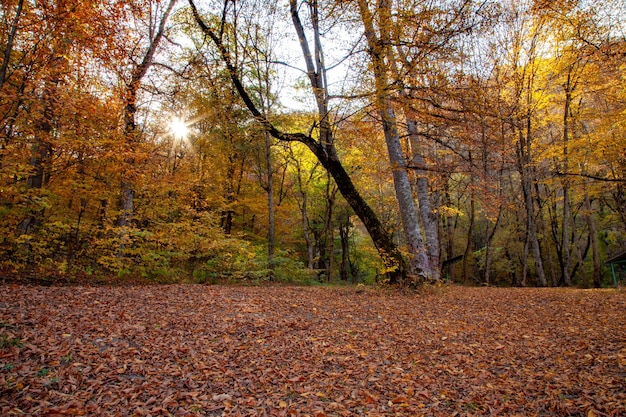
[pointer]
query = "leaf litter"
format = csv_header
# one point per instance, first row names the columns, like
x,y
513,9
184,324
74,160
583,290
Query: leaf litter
x,y
191,350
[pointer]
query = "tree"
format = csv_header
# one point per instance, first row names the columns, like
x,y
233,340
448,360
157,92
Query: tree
x,y
305,172
324,147
264,41
156,31
379,51
8,48
50,109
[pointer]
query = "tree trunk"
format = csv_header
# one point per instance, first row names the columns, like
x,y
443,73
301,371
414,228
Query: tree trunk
x,y
303,205
130,127
565,238
593,234
102,217
488,251
419,264
449,226
581,254
391,256
427,215
43,136
271,239
549,263
328,234
534,242
344,234
470,231
9,45
488,260
565,246
527,179
42,152
307,235
230,194
74,241
524,279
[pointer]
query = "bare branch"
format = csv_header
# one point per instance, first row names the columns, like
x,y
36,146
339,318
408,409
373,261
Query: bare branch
x,y
243,93
590,176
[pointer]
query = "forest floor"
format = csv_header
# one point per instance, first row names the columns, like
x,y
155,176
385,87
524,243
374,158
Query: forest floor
x,y
192,350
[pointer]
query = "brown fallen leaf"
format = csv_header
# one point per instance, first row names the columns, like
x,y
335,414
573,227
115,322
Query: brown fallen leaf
x,y
222,397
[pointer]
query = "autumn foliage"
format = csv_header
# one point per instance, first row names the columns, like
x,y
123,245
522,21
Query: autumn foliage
x,y
250,351
506,123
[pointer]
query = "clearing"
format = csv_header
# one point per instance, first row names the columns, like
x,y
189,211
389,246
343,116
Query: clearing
x,y
192,350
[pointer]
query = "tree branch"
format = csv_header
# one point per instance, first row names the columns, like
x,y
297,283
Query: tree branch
x,y
590,176
243,93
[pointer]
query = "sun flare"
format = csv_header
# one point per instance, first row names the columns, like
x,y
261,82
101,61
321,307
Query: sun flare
x,y
179,128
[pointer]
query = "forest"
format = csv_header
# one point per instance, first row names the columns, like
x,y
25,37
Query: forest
x,y
469,141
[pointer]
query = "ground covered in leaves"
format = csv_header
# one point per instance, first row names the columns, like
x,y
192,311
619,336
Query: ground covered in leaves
x,y
191,350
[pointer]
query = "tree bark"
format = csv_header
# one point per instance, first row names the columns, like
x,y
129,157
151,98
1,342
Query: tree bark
x,y
427,215
271,234
329,229
565,236
470,231
344,234
419,264
524,154
593,235
532,241
303,205
449,225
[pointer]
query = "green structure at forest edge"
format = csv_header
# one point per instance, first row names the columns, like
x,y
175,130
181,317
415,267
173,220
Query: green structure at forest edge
x,y
616,260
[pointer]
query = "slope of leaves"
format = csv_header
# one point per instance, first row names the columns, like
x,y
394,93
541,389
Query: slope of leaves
x,y
214,350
